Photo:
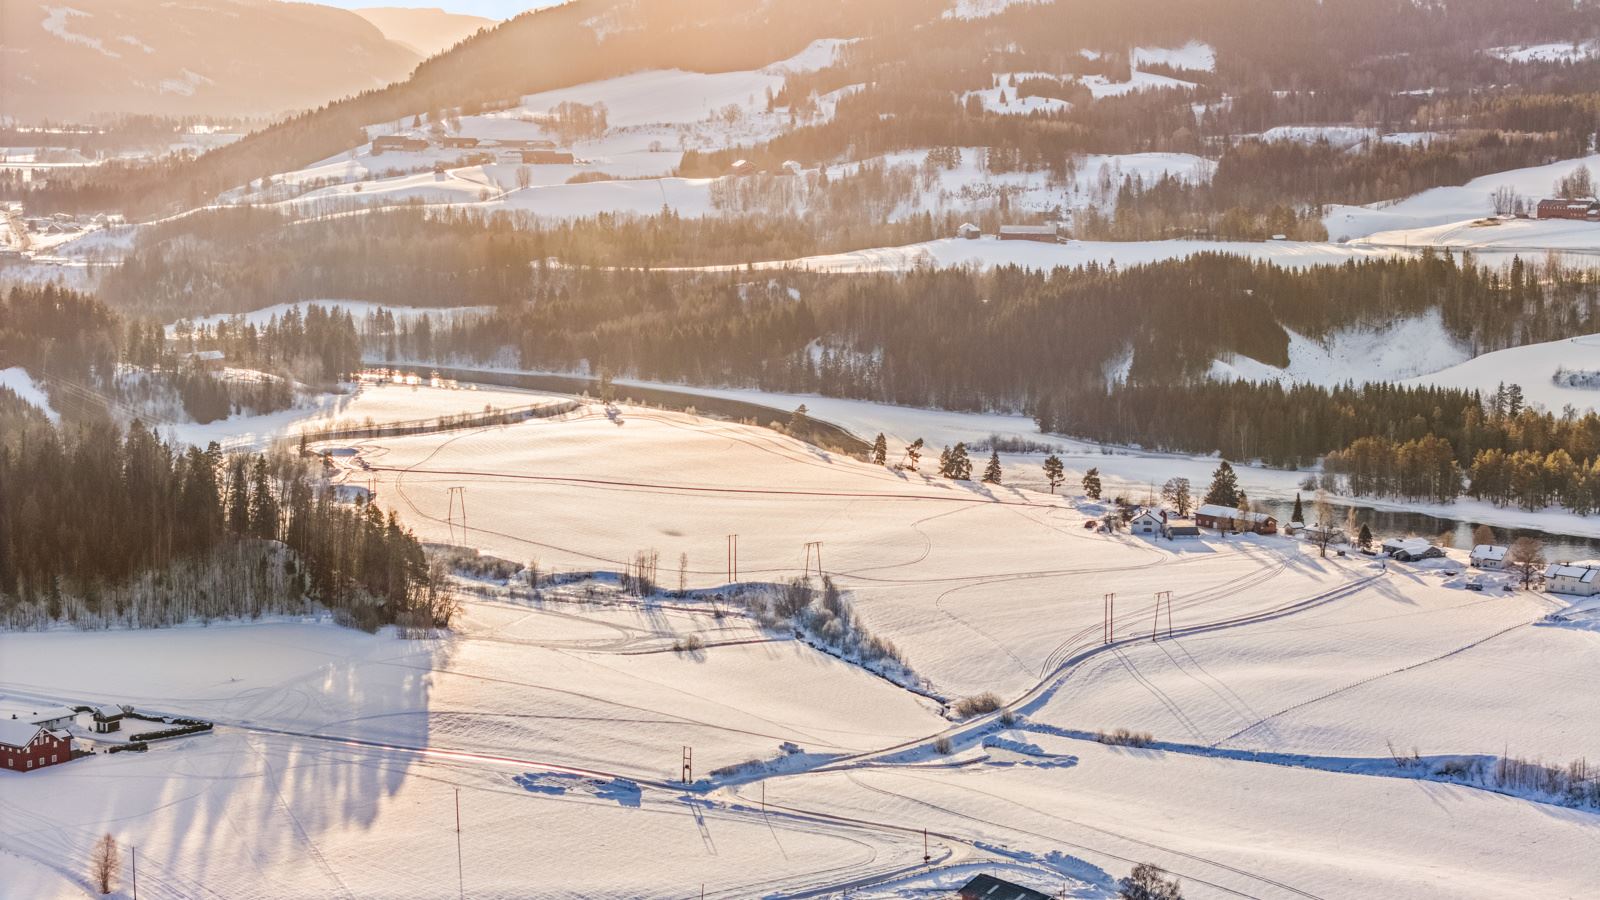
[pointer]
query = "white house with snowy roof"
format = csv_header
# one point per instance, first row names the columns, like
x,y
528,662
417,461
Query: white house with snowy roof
x,y
1489,556
1577,579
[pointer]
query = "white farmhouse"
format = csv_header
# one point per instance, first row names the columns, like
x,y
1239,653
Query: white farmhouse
x,y
1577,579
1489,556
1147,521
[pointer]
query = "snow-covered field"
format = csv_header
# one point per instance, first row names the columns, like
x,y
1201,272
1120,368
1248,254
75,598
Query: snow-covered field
x,y
988,252
338,755
1445,205
1532,367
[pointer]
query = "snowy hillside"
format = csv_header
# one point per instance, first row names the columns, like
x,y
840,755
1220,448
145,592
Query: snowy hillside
x,y
90,57
1535,368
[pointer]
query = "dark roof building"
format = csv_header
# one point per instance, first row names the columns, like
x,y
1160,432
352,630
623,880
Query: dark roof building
x,y
398,142
1045,234
988,887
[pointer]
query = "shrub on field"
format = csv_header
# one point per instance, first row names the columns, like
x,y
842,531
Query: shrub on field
x,y
1122,737
977,705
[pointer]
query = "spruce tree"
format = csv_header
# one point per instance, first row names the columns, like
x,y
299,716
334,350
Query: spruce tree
x,y
1299,511
1365,540
959,464
914,454
1053,472
1224,487
880,450
991,472
1091,483
797,419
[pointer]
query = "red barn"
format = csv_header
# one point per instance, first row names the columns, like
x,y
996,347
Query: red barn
x,y
25,746
1582,210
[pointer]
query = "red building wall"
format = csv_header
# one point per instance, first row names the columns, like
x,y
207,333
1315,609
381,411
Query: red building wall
x,y
45,750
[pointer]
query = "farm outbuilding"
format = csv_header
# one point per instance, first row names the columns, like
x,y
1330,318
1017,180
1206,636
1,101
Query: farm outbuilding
x,y
108,718
389,142
1220,517
25,746
988,887
1044,234
1411,549
54,717
1582,210
547,157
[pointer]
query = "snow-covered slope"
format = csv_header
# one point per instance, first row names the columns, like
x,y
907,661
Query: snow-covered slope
x,y
1401,349
1447,205
422,31
17,380
69,61
1532,367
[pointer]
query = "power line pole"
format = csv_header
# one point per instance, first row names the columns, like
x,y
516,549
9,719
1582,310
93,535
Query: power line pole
x,y
1108,631
450,516
733,558
133,853
461,881
813,546
688,764
926,856
1155,631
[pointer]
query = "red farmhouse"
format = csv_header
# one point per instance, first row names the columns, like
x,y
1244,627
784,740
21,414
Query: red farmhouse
x,y
25,746
1582,210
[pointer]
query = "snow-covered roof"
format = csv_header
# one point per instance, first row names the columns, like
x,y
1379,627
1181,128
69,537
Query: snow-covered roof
x,y
1147,513
17,733
1410,544
1581,573
1493,552
1218,511
52,714
108,711
1027,229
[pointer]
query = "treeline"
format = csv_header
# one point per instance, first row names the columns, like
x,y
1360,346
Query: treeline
x,y
319,346
101,526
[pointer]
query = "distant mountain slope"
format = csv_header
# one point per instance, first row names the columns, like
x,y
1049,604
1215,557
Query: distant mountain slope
x,y
423,31
76,59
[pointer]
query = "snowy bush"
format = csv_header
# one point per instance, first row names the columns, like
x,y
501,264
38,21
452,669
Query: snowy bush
x,y
1122,737
976,705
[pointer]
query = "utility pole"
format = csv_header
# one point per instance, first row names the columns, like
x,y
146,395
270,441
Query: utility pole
x,y
688,764
813,546
1108,631
461,882
926,856
133,854
733,558
450,516
1155,631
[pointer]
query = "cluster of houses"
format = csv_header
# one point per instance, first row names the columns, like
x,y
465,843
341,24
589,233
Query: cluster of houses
x,y
1159,523
528,152
41,738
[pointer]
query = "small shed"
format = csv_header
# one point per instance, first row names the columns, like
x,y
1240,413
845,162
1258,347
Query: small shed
x,y
1489,556
108,718
1182,528
969,232
742,167
988,887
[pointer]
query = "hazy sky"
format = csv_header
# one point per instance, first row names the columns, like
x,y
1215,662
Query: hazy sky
x,y
489,9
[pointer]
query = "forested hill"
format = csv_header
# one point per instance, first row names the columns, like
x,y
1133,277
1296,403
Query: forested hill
x,y
1325,60
545,49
